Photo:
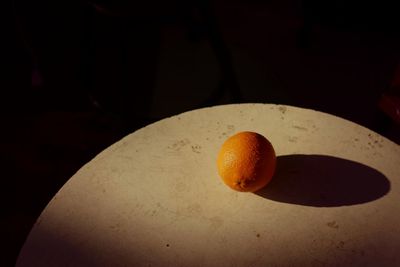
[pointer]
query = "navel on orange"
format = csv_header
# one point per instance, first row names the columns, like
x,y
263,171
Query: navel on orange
x,y
246,161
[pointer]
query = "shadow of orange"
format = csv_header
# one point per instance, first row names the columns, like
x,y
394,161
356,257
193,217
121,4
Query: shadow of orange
x,y
324,181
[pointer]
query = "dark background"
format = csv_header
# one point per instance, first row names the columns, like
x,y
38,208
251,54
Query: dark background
x,y
81,75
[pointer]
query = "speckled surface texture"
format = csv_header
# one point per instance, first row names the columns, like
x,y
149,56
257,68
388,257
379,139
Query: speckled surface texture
x,y
155,199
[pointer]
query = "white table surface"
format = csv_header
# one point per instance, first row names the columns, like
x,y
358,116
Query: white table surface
x,y
155,199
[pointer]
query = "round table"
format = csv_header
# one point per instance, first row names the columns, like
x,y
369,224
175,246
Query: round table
x,y
155,199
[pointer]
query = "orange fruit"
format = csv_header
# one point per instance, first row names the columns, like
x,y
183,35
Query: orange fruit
x,y
246,161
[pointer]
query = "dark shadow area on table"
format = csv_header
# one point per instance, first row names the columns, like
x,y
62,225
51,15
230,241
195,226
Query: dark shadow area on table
x,y
324,181
34,253
53,247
